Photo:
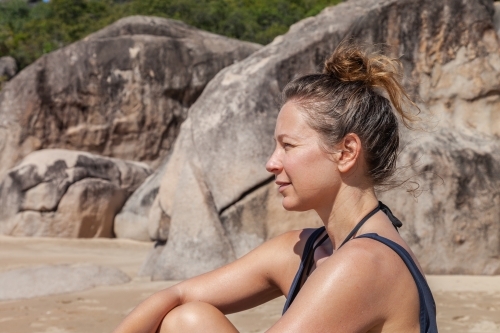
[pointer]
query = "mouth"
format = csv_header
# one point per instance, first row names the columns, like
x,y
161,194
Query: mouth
x,y
282,185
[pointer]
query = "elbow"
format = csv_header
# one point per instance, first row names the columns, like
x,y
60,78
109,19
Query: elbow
x,y
172,296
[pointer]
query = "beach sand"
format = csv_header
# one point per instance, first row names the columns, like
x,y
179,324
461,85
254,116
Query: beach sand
x,y
464,303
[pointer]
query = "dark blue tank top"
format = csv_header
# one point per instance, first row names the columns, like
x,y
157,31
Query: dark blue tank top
x,y
427,313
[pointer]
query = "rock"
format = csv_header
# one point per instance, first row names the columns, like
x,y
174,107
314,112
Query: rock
x,y
452,224
260,216
63,193
451,56
158,222
98,203
133,221
121,92
8,67
149,266
199,242
56,279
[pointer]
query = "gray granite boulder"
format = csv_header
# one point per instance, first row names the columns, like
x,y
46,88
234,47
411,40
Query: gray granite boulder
x,y
121,92
141,218
259,216
451,55
451,216
64,193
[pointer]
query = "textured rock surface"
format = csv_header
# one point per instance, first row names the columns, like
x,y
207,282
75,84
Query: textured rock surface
x,y
199,241
453,223
8,67
121,92
63,193
150,265
141,218
56,279
451,55
260,216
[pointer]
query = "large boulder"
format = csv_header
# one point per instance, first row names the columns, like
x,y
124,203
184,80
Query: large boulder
x,y
141,218
452,220
121,92
65,193
259,216
451,56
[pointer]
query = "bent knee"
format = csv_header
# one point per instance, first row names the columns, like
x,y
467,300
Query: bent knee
x,y
189,317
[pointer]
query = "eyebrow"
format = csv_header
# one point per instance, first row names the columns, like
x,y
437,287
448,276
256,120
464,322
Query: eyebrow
x,y
281,136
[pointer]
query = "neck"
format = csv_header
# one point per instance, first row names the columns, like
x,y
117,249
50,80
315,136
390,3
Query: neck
x,y
349,207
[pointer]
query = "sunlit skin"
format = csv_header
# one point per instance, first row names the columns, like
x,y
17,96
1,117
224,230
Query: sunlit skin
x,y
362,287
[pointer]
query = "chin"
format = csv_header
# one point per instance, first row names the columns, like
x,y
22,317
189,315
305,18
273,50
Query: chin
x,y
294,205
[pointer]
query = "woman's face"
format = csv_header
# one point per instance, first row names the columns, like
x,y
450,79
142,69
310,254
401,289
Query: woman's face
x,y
306,175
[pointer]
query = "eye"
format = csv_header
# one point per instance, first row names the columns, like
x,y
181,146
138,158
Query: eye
x,y
287,145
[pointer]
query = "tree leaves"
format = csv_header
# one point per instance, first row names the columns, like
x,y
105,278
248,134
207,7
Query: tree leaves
x,y
29,31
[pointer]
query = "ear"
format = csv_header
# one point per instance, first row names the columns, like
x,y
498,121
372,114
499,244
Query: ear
x,y
350,151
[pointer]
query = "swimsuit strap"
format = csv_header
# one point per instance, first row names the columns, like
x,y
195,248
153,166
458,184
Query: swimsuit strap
x,y
427,313
360,224
307,259
310,260
395,222
307,254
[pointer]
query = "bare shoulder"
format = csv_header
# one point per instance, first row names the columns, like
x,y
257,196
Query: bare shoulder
x,y
286,246
294,240
366,254
361,262
282,255
378,257
370,263
363,277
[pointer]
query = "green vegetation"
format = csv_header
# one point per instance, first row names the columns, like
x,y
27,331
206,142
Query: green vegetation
x,y
3,80
28,31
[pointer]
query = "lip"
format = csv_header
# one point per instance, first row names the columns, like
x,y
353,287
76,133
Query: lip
x,y
282,185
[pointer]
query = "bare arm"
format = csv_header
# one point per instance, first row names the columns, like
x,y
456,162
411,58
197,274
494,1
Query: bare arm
x,y
261,275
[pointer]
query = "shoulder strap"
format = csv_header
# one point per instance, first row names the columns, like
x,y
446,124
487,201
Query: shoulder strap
x,y
307,259
306,255
360,224
427,305
395,221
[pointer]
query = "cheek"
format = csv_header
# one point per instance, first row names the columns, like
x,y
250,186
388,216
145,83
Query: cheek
x,y
297,166
322,178
312,169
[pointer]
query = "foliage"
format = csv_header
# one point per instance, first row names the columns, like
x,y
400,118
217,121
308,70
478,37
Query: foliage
x,y
253,20
29,31
3,80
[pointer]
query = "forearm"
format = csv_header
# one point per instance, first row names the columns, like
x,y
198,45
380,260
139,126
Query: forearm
x,y
147,316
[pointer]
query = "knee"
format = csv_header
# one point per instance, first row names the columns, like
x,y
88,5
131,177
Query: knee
x,y
190,317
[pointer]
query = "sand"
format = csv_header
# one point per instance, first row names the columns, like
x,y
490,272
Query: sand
x,y
465,303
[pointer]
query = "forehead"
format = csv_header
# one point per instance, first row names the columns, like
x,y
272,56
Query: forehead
x,y
292,122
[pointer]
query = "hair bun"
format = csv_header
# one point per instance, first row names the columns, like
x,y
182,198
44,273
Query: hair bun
x,y
350,63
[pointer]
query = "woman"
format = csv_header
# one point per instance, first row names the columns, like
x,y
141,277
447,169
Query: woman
x,y
336,139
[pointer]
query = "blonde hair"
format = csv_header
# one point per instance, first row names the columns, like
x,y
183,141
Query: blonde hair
x,y
348,97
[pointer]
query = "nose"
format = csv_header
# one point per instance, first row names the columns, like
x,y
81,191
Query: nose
x,y
274,164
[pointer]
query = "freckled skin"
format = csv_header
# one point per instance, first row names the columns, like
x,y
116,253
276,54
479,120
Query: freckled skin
x,y
362,287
